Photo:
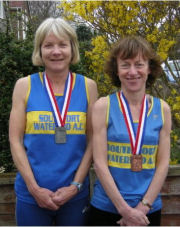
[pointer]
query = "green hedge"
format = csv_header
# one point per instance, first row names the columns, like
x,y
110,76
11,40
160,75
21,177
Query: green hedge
x,y
15,62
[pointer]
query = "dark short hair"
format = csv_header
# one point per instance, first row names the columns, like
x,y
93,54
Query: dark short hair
x,y
130,47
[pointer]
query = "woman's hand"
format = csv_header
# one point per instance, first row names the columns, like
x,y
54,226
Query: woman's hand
x,y
64,194
43,197
143,208
135,217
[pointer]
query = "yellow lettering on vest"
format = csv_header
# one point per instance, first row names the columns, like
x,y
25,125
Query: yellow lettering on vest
x,y
119,155
42,122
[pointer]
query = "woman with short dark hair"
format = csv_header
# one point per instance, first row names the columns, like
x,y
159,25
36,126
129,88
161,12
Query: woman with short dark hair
x,y
131,140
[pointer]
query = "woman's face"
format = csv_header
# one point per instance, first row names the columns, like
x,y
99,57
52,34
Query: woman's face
x,y
56,53
133,73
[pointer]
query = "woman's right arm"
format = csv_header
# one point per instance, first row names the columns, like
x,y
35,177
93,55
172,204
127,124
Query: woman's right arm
x,y
17,125
101,165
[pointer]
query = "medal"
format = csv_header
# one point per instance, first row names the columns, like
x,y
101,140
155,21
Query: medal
x,y
60,119
136,162
60,135
136,139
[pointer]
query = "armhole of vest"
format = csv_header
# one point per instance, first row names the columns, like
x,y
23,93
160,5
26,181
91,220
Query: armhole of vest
x,y
152,104
41,77
29,89
162,110
87,91
107,113
74,79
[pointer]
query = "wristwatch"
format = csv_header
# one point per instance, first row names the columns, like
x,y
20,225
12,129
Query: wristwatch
x,y
146,203
78,185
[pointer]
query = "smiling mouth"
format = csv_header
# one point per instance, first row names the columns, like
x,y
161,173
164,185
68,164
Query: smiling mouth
x,y
56,60
137,78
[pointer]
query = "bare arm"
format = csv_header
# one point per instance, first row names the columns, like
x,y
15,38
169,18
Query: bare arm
x,y
17,125
101,165
87,158
162,163
66,193
16,132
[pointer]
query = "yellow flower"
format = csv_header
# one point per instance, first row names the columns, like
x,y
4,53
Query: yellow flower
x,y
173,162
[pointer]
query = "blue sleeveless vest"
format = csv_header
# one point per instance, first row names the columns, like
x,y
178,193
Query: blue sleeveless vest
x,y
132,185
54,165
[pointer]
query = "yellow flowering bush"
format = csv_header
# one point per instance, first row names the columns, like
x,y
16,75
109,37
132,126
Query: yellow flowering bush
x,y
157,21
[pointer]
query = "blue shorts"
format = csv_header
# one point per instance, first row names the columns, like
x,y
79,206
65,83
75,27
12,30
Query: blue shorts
x,y
70,214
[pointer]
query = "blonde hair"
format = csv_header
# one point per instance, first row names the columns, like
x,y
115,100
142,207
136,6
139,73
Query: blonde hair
x,y
59,28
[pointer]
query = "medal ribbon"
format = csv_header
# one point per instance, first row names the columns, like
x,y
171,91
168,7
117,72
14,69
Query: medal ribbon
x,y
60,118
136,141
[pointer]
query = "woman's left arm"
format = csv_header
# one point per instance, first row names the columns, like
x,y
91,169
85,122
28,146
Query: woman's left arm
x,y
162,162
87,158
64,194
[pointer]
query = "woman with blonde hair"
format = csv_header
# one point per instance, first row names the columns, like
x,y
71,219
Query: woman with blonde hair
x,y
50,132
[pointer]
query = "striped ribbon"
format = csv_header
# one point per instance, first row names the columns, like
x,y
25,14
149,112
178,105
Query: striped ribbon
x,y
136,139
60,118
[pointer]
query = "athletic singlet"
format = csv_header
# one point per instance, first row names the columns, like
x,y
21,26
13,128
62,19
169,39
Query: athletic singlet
x,y
54,165
132,185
